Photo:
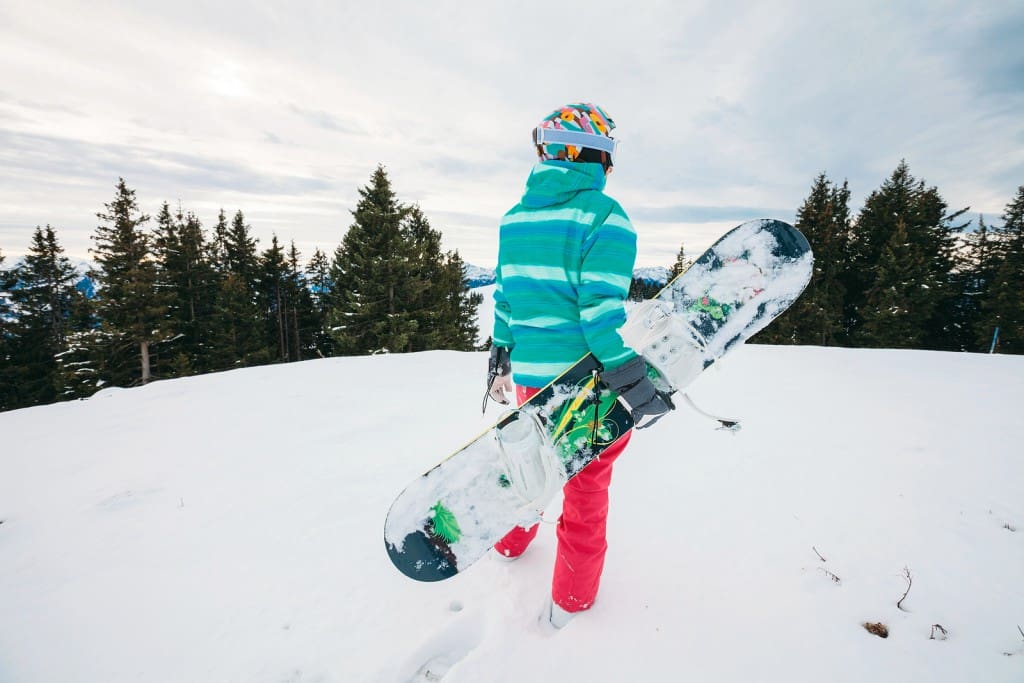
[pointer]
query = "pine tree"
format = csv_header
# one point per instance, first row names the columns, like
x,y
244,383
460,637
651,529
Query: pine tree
x,y
305,323
130,306
682,263
370,270
274,303
1003,304
7,282
458,307
80,367
899,304
321,289
218,246
46,300
166,246
931,237
437,293
394,289
236,338
976,274
7,376
196,284
286,304
236,327
185,273
240,250
422,291
817,316
942,244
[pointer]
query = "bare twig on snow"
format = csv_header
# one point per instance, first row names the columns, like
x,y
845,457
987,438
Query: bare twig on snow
x,y
910,582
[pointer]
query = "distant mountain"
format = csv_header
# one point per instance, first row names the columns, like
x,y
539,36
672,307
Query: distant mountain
x,y
657,275
481,277
477,276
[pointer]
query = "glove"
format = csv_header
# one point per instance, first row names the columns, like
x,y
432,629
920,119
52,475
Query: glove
x,y
631,383
499,376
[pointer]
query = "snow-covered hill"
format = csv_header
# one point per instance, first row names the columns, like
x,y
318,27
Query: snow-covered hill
x,y
229,528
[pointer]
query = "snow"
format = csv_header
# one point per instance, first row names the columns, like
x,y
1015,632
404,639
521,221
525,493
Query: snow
x,y
229,528
485,314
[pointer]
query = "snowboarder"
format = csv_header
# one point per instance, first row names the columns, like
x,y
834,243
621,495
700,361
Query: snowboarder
x,y
565,262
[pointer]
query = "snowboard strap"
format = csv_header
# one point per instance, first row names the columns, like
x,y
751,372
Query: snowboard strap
x,y
596,400
727,424
535,473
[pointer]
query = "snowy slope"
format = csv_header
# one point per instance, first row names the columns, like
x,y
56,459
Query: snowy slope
x,y
229,528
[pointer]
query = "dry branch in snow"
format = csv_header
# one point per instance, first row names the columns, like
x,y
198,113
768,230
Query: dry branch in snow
x,y
910,581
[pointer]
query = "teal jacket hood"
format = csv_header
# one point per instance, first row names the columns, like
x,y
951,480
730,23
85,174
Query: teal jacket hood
x,y
556,182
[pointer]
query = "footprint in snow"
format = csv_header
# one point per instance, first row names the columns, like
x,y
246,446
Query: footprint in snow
x,y
126,499
437,655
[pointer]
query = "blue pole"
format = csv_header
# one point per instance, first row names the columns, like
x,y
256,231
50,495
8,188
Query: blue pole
x,y
995,339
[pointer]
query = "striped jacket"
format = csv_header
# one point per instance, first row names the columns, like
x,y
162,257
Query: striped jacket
x,y
565,262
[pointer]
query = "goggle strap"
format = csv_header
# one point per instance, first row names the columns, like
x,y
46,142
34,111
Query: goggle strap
x,y
544,136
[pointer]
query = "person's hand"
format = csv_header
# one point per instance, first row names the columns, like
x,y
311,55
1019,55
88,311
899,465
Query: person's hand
x,y
631,383
500,385
646,414
499,376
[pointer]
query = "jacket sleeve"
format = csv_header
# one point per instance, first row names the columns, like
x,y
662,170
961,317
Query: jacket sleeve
x,y
605,275
502,333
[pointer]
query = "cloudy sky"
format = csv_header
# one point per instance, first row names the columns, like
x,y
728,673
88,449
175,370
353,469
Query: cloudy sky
x,y
726,110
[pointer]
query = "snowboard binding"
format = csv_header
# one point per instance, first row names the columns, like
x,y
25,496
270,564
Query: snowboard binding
x,y
532,470
667,341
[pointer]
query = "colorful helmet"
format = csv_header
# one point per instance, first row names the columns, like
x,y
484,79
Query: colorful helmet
x,y
565,132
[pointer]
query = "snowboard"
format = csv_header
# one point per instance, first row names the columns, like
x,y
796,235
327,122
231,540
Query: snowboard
x,y
450,516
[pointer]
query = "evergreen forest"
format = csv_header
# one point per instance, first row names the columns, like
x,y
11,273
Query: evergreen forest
x,y
174,297
904,274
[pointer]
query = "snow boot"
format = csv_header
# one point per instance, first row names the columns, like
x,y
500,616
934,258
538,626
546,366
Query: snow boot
x,y
557,616
502,557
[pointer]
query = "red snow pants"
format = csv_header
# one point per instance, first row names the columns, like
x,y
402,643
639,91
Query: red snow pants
x,y
580,529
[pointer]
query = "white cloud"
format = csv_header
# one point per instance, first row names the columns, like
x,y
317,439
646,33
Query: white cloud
x,y
284,110
225,79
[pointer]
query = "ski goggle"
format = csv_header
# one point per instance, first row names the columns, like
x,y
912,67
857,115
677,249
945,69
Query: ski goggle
x,y
557,136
